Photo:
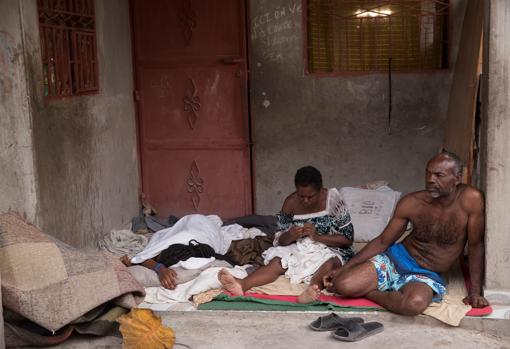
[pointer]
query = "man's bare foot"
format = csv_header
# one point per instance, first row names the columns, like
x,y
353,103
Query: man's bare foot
x,y
311,294
230,283
126,260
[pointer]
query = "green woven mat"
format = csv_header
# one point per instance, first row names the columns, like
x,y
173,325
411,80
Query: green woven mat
x,y
225,302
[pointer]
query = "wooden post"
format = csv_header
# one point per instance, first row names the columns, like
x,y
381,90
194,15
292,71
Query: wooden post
x,y
460,123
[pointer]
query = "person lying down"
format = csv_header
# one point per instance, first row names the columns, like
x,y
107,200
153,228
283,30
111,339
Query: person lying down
x,y
315,237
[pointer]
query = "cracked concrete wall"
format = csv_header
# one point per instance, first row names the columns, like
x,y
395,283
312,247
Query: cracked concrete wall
x,y
17,179
338,124
85,146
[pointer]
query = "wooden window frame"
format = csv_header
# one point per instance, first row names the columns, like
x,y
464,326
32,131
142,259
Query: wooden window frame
x,y
445,56
67,32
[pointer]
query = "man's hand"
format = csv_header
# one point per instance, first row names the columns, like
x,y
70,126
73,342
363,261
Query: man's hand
x,y
476,301
327,279
167,277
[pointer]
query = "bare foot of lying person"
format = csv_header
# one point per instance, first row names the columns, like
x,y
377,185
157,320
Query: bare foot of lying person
x,y
230,283
311,294
126,260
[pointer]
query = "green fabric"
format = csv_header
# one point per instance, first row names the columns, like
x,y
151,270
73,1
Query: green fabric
x,y
225,302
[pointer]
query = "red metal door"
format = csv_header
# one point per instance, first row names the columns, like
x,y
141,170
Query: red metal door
x,y
191,81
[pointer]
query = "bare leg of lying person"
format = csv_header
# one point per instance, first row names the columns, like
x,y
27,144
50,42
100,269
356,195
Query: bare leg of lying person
x,y
261,276
313,291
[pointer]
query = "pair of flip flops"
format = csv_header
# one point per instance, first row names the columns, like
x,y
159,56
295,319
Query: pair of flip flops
x,y
346,329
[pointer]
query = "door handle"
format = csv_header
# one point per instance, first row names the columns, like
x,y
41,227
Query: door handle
x,y
232,60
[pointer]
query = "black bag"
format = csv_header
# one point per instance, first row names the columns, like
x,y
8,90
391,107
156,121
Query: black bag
x,y
181,252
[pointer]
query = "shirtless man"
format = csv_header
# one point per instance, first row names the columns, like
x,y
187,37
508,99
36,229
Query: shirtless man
x,y
404,277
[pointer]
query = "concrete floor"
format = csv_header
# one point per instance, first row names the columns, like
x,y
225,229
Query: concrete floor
x,y
283,330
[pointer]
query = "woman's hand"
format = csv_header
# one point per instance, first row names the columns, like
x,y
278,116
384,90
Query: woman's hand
x,y
309,230
291,235
297,232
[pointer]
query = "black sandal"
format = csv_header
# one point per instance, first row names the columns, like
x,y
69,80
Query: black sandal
x,y
332,322
354,331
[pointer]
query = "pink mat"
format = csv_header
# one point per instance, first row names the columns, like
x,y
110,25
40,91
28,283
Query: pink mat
x,y
345,302
352,302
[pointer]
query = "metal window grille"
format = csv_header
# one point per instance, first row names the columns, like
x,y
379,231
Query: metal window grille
x,y
362,35
68,46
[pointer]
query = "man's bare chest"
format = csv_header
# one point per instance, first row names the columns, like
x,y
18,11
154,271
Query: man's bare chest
x,y
442,228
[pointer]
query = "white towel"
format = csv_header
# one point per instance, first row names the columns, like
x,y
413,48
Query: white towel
x,y
204,229
194,263
301,259
237,232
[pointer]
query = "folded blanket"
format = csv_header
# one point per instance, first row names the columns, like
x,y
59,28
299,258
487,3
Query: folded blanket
x,y
451,309
51,283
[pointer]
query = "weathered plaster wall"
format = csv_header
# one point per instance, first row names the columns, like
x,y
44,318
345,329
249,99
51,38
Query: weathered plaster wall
x,y
85,147
17,180
338,124
496,159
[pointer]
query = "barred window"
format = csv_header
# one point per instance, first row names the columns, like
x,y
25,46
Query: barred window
x,y
68,46
366,35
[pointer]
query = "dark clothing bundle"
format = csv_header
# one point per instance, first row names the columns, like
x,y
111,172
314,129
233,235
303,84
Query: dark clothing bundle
x,y
249,251
181,252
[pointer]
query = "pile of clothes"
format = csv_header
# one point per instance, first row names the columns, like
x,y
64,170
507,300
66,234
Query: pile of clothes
x,y
195,247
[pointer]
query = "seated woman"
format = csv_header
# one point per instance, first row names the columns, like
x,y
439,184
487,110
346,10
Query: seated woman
x,y
315,237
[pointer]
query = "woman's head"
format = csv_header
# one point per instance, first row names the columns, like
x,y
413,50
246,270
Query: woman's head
x,y
308,181
308,176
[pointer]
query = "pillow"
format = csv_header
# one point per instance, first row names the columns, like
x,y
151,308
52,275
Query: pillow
x,y
370,210
373,185
145,276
